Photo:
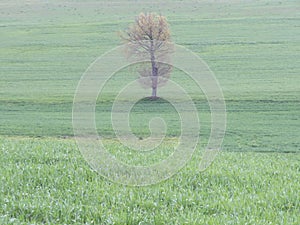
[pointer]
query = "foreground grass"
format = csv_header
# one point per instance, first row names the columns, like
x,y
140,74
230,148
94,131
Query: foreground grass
x,y
47,181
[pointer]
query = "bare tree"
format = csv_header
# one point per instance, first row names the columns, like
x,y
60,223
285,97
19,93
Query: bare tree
x,y
148,39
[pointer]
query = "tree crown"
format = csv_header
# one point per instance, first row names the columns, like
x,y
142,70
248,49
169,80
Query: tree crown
x,y
147,27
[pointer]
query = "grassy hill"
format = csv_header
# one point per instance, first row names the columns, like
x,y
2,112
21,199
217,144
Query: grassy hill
x,y
253,48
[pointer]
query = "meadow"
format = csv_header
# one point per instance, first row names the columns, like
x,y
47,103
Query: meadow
x,y
253,48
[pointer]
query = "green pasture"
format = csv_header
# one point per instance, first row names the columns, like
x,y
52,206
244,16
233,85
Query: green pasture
x,y
46,181
253,48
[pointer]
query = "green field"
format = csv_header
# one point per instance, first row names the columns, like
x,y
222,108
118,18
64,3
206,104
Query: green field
x,y
253,48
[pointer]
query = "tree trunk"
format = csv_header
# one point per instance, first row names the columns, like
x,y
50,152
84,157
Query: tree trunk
x,y
154,72
154,81
154,92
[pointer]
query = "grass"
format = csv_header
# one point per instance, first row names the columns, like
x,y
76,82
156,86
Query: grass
x,y
47,181
253,49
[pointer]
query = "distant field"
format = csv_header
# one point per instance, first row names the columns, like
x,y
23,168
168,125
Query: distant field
x,y
254,55
252,47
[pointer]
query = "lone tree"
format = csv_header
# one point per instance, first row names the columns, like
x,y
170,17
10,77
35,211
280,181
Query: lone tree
x,y
148,40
